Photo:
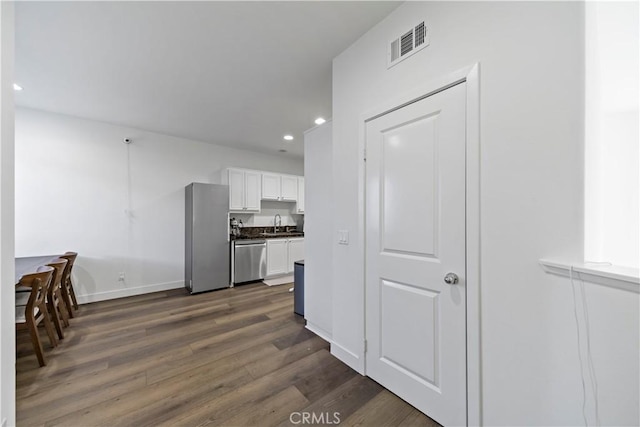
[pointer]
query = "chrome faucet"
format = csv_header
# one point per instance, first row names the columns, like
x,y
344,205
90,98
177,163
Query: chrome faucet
x,y
277,222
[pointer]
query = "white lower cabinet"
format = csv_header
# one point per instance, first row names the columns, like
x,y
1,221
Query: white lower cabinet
x,y
296,252
282,253
277,256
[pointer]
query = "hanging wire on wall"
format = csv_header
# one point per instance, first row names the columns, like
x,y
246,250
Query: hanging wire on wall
x,y
590,368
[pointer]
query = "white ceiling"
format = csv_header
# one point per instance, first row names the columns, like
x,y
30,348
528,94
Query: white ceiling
x,y
232,73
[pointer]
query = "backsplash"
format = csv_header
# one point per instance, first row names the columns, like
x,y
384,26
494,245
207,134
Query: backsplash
x,y
266,216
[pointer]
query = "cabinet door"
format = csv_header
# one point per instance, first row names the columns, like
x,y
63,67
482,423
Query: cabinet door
x,y
270,186
236,189
252,191
289,188
296,252
300,205
277,255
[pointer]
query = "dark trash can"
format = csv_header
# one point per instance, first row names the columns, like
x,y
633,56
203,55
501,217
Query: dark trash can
x,y
298,287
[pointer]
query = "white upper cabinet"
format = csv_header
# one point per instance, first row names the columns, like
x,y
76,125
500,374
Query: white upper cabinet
x,y
300,204
244,190
289,188
236,189
248,187
271,186
278,187
252,190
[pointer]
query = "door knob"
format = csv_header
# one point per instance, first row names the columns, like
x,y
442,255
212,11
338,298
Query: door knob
x,y
451,279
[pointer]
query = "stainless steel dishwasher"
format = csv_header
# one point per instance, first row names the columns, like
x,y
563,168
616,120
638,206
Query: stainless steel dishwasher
x,y
249,260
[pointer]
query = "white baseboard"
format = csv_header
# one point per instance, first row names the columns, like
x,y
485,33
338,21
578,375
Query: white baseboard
x,y
128,292
349,358
325,335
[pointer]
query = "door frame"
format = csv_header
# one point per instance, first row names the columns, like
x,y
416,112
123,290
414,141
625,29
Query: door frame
x,y
471,76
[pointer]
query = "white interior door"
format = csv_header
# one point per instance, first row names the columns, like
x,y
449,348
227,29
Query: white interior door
x,y
415,322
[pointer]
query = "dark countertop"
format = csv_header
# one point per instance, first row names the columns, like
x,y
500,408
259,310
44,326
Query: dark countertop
x,y
267,233
268,236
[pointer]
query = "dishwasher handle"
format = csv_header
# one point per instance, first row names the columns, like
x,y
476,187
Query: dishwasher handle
x,y
252,245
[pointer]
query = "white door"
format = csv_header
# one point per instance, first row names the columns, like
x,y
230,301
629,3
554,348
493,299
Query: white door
x,y
415,234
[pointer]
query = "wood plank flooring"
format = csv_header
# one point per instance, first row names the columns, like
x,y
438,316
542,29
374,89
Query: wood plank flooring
x,y
234,357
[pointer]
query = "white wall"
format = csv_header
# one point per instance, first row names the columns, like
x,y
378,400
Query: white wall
x,y
121,207
319,235
531,58
612,323
7,297
612,183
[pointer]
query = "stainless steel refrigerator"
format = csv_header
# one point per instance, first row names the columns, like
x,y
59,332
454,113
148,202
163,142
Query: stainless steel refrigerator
x,y
207,237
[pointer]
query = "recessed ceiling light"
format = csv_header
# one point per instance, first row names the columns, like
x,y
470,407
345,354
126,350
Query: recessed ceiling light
x,y
288,137
17,87
320,121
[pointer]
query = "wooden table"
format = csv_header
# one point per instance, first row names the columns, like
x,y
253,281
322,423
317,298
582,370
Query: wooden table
x,y
26,265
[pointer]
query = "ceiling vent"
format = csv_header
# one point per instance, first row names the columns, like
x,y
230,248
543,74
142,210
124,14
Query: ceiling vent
x,y
407,44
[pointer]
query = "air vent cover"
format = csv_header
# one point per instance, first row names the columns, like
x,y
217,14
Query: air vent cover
x,y
407,44
420,32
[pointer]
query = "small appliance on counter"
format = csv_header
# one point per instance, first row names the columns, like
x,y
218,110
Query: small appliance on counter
x,y
236,227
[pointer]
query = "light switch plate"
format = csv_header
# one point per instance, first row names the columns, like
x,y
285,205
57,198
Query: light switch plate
x,y
343,237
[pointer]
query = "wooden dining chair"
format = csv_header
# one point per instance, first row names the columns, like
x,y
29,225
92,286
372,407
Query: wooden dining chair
x,y
30,315
56,305
68,293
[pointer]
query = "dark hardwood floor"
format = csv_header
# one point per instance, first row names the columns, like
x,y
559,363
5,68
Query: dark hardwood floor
x,y
235,357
